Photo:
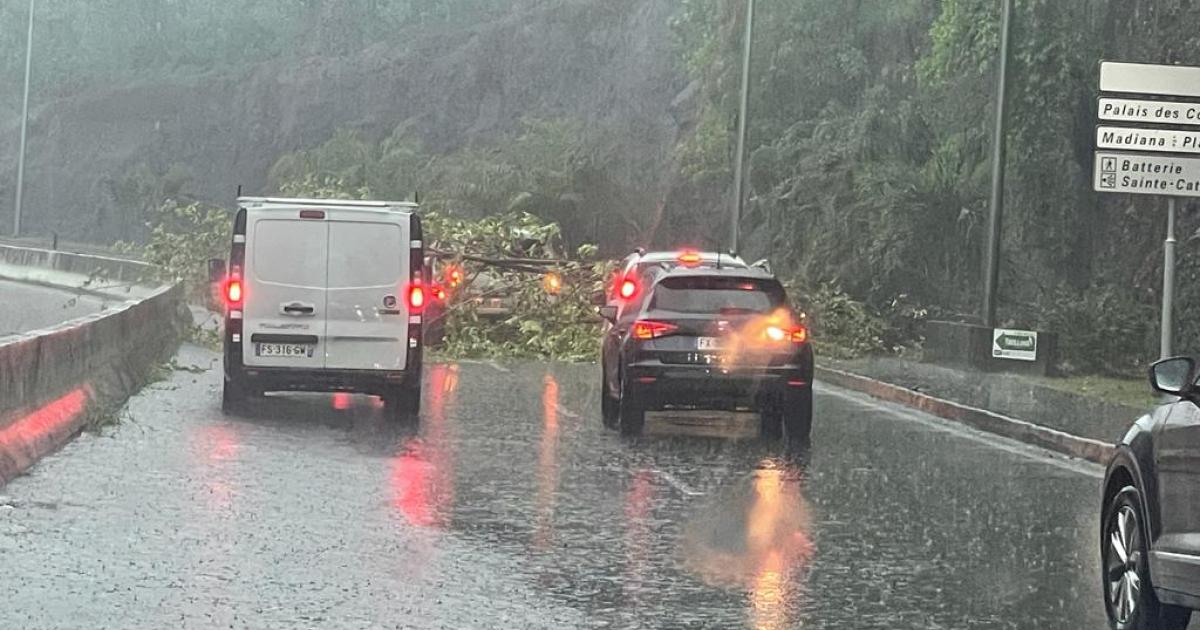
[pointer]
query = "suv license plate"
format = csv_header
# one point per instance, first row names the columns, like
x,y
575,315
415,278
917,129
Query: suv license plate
x,y
708,343
284,350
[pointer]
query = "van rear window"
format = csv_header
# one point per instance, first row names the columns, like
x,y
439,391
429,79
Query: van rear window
x,y
704,295
366,255
289,252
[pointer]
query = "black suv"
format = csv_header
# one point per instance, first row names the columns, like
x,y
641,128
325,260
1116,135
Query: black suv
x,y
707,338
1150,524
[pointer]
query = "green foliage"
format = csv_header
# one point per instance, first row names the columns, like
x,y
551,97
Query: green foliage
x,y
1101,330
870,142
183,238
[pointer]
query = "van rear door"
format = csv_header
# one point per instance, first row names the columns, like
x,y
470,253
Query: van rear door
x,y
284,304
367,316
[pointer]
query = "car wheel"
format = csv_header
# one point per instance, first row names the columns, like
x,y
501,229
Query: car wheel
x,y
631,412
797,417
1129,598
402,404
609,410
771,419
233,397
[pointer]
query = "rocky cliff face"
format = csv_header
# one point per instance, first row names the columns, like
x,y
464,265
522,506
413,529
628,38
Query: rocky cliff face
x,y
608,63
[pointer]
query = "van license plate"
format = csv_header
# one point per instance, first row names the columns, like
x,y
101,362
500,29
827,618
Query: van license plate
x,y
708,343
284,350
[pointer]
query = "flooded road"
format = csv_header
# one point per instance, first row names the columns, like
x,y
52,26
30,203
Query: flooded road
x,y
510,506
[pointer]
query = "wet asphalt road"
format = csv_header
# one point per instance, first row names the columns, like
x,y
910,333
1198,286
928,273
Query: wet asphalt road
x,y
26,307
510,507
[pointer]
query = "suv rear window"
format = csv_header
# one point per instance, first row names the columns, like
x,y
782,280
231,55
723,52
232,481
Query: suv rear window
x,y
716,294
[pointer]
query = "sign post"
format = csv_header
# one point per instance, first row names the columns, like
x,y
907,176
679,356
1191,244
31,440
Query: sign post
x,y
1157,156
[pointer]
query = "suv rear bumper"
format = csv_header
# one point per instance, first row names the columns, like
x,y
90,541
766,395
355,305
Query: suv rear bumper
x,y
657,385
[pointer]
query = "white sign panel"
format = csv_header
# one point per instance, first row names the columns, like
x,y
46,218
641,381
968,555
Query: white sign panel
x,y
1147,174
1018,345
1141,78
1153,112
1159,140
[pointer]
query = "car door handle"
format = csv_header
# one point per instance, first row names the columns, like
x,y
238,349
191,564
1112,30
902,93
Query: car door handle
x,y
297,309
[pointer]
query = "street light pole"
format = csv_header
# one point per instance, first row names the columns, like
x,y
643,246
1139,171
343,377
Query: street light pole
x,y
24,127
991,280
739,159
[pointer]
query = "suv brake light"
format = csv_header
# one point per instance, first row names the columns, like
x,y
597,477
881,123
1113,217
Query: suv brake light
x,y
690,258
650,329
628,288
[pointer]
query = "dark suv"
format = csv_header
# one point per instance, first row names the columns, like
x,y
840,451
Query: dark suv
x,y
1150,524
707,338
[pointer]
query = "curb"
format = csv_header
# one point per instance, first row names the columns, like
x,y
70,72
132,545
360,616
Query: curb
x,y
1020,430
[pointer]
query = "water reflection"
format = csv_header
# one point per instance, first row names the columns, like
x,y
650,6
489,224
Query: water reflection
x,y
639,536
422,473
547,469
757,539
215,448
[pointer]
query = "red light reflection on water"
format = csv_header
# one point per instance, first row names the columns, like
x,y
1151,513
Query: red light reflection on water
x,y
547,469
422,474
341,401
638,534
53,418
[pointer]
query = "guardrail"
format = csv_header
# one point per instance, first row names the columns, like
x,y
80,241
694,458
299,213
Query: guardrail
x,y
53,381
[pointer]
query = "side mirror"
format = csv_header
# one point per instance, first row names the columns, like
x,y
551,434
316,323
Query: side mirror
x,y
216,270
1173,376
608,312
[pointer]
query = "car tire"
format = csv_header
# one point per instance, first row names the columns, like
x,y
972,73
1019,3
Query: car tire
x,y
610,411
402,404
631,412
1129,598
797,417
233,397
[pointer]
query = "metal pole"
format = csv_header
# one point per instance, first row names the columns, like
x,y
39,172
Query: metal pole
x,y
991,281
1167,349
24,128
743,112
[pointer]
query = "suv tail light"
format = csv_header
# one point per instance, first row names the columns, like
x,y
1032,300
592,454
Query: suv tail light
x,y
649,329
778,334
627,289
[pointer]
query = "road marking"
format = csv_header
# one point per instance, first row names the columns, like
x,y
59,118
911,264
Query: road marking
x,y
676,483
999,442
566,413
498,367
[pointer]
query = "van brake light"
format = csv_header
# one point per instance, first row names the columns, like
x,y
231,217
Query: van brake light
x,y
233,291
416,297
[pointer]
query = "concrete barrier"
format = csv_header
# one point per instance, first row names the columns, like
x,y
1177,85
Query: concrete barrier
x,y
52,382
982,419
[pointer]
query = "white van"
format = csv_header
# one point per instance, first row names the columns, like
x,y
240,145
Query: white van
x,y
325,295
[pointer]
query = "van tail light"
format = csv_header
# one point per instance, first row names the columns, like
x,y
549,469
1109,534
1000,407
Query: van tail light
x,y
416,298
649,329
233,291
799,334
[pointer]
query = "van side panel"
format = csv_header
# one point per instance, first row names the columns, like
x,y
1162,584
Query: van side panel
x,y
285,302
367,310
